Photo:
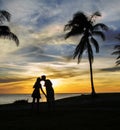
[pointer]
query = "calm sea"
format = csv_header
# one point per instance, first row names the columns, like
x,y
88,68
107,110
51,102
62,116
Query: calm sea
x,y
10,98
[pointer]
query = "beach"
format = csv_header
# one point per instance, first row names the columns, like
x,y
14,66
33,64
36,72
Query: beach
x,y
79,112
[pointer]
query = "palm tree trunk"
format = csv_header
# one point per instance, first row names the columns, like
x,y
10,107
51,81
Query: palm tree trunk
x,y
91,75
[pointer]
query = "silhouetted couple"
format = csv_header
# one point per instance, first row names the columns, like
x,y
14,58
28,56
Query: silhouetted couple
x,y
49,94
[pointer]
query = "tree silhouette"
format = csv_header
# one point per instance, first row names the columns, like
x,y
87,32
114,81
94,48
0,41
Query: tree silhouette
x,y
117,52
5,31
85,26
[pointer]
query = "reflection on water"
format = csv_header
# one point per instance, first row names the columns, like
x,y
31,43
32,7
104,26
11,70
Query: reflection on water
x,y
10,98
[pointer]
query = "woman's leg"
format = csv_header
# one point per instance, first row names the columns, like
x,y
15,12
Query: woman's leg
x,y
33,102
38,99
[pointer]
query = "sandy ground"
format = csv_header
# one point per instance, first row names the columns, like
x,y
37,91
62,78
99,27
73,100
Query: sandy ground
x,y
75,113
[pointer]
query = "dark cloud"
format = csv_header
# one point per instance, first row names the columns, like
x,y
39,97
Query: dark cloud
x,y
112,69
10,71
45,53
26,50
13,80
64,72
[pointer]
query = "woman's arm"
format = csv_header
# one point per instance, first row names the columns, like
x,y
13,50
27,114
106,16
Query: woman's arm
x,y
43,91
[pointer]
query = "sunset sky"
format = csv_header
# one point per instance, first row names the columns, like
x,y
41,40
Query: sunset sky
x,y
39,26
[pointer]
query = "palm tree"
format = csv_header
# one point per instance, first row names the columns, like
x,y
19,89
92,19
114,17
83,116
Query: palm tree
x,y
117,52
85,26
5,31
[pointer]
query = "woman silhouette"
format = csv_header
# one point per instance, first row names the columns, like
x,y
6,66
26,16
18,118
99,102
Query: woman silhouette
x,y
36,93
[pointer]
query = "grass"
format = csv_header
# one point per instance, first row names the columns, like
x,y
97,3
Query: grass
x,y
80,112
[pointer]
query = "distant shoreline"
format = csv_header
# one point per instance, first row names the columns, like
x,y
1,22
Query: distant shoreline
x,y
10,98
79,100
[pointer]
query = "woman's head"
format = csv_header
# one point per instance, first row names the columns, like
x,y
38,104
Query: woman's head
x,y
38,79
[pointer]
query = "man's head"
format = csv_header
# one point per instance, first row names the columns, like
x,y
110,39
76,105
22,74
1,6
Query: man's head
x,y
43,77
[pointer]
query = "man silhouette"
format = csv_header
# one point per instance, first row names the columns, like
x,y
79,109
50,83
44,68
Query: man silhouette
x,y
49,91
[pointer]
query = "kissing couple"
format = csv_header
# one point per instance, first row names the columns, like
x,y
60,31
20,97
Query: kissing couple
x,y
49,93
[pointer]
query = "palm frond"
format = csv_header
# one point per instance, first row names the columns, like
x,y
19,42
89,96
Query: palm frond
x,y
100,25
117,62
80,49
117,47
116,53
79,18
95,44
4,15
97,13
74,31
94,15
10,36
4,29
99,33
76,25
67,27
118,57
14,38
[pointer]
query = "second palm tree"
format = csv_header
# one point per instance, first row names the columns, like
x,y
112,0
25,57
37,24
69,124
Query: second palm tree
x,y
84,25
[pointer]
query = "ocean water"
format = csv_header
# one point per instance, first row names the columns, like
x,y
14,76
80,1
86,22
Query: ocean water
x,y
10,98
